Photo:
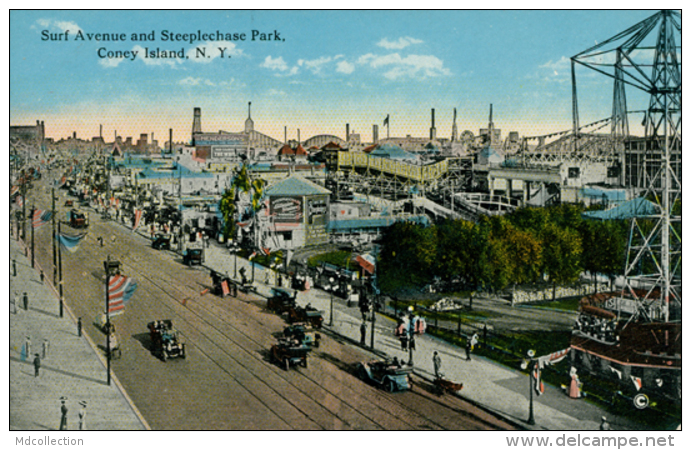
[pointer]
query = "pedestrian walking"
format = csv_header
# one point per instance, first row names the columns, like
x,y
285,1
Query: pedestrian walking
x,y
42,276
37,364
604,425
468,347
63,412
575,384
79,327
404,339
473,341
44,348
25,299
82,416
436,360
484,335
13,303
14,267
27,349
363,333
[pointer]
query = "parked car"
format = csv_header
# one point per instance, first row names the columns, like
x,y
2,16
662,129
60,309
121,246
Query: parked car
x,y
161,242
193,256
386,374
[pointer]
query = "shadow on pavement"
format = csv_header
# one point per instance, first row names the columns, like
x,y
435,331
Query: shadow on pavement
x,y
60,371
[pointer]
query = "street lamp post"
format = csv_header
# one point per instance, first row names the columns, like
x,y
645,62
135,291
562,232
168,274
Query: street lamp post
x,y
531,366
235,248
331,287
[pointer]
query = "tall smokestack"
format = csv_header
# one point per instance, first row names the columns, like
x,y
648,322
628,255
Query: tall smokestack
x,y
347,132
170,140
285,134
375,133
100,131
432,130
299,136
197,122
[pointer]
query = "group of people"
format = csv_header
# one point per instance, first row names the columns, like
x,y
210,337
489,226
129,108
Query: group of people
x,y
63,414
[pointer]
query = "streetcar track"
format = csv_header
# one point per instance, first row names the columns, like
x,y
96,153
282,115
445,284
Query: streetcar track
x,y
251,346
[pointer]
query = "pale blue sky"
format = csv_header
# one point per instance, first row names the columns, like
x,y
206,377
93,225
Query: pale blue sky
x,y
331,69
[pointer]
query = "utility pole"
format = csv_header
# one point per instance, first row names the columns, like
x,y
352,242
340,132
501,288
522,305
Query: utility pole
x,y
106,266
33,211
60,273
55,255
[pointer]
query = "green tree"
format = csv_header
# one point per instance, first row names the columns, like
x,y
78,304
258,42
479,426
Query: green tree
x,y
227,208
407,255
561,253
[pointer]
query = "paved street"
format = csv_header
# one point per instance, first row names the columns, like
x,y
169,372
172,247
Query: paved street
x,y
227,380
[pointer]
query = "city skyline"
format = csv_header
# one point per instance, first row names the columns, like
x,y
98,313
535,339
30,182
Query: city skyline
x,y
329,68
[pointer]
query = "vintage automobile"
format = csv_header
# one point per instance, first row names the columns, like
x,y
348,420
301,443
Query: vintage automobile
x,y
442,385
290,352
281,300
166,341
303,334
79,219
161,242
308,314
193,256
222,284
386,374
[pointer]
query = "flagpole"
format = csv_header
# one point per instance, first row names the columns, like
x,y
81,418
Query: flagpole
x,y
60,272
55,255
106,266
23,205
33,211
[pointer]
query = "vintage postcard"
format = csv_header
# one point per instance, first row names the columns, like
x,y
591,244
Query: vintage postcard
x,y
345,220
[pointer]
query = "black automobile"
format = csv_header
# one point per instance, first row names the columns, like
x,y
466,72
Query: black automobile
x,y
161,242
193,256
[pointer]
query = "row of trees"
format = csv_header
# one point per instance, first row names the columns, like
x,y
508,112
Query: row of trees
x,y
525,246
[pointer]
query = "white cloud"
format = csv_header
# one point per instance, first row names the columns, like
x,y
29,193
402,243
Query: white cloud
x,y
279,65
274,63
557,66
57,25
315,65
399,44
412,66
110,62
345,67
276,92
190,81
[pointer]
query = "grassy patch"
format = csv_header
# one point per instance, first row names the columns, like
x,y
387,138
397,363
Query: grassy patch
x,y
340,258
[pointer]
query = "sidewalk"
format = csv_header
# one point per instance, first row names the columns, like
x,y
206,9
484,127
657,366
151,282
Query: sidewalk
x,y
494,387
72,366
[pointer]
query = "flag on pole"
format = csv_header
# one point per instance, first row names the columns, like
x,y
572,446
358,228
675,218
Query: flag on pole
x,y
20,201
539,385
14,190
120,291
637,382
41,217
265,251
70,243
137,218
252,256
618,372
386,121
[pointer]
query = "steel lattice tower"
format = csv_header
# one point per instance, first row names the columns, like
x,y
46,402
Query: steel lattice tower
x,y
647,57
